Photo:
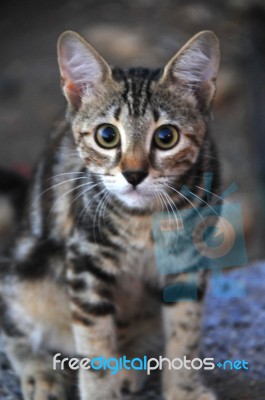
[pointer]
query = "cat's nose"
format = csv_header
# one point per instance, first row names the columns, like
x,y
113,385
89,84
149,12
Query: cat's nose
x,y
134,177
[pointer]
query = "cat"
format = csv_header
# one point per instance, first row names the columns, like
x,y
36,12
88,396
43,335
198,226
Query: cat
x,y
83,279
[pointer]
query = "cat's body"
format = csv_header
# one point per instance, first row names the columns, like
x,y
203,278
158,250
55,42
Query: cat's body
x,y
84,279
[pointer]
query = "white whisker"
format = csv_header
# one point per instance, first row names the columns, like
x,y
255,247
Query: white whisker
x,y
62,174
96,212
188,200
177,218
72,190
211,208
58,184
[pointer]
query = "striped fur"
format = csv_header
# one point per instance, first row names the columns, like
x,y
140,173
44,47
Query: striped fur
x,y
83,278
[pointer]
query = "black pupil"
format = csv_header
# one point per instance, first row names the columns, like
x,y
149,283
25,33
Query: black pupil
x,y
165,135
108,134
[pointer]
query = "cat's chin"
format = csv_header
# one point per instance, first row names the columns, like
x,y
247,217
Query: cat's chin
x,y
134,201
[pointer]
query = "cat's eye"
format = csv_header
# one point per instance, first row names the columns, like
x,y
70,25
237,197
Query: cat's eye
x,y
166,137
107,136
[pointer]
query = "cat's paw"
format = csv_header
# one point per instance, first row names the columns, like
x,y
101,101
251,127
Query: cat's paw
x,y
199,394
132,381
44,385
208,396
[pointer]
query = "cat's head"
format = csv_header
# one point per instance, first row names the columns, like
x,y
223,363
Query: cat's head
x,y
140,131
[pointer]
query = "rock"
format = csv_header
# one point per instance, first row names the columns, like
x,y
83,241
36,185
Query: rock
x,y
234,329
9,387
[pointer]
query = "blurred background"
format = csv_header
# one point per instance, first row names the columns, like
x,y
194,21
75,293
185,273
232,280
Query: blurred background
x,y
133,33
148,33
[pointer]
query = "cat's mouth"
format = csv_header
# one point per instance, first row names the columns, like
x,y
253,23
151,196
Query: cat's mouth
x,y
136,198
132,193
132,190
139,197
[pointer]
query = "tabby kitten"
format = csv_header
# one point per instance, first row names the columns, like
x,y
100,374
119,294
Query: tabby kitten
x,y
83,280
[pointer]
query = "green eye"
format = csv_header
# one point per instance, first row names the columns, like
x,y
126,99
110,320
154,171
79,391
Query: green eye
x,y
166,137
107,136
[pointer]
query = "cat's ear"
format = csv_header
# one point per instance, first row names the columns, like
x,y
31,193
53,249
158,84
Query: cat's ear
x,y
196,65
81,67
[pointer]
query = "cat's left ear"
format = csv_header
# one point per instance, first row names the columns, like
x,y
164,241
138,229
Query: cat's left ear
x,y
81,68
196,65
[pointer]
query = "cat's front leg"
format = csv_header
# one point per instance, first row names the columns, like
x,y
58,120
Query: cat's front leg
x,y
91,290
182,326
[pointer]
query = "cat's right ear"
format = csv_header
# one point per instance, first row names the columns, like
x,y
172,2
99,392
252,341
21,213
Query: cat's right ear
x,y
81,67
196,66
